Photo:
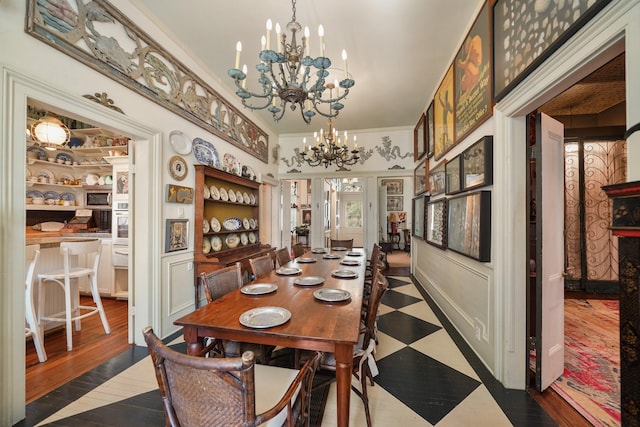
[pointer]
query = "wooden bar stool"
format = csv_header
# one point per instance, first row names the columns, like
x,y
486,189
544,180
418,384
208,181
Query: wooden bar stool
x,y
91,250
32,254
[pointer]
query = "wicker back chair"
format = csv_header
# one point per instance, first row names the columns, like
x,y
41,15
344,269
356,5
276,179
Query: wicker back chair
x,y
198,391
283,256
297,249
217,284
261,266
342,243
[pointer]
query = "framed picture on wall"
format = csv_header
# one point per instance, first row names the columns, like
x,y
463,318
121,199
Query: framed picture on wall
x,y
477,164
443,116
420,177
452,172
418,216
394,186
419,139
437,179
177,235
394,203
469,225
436,223
430,137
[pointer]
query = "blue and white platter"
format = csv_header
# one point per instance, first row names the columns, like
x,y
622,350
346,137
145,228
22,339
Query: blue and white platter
x,y
206,153
35,194
232,224
68,196
51,195
42,155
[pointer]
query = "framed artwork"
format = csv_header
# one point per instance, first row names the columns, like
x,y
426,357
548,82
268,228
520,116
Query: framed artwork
x,y
430,129
436,223
477,164
306,216
469,225
177,235
537,29
394,186
472,73
179,194
443,116
418,216
437,179
420,177
452,172
419,139
121,179
394,203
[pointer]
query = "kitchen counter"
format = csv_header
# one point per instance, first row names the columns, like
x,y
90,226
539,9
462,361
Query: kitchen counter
x,y
52,239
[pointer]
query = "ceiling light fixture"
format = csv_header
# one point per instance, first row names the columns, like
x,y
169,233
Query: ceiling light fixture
x,y
286,74
50,130
328,147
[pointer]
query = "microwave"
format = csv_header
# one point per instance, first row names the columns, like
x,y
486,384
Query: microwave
x,y
96,199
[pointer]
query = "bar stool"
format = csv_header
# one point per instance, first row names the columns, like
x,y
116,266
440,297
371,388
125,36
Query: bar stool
x,y
32,254
63,278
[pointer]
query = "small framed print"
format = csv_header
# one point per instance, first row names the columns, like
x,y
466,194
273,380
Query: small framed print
x,y
436,223
477,164
418,216
452,172
420,177
394,203
469,225
177,235
419,139
437,179
394,186
430,131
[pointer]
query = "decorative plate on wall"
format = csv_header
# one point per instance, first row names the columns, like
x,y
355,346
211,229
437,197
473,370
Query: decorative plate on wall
x,y
178,168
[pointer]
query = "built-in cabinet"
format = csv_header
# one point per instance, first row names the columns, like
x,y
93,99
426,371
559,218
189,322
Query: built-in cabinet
x,y
105,272
227,212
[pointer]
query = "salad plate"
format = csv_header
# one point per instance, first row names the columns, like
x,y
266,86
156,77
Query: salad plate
x,y
180,142
232,224
244,239
288,271
232,240
215,224
215,194
224,196
332,295
205,153
205,226
265,317
206,246
216,243
344,274
259,288
232,196
252,237
309,280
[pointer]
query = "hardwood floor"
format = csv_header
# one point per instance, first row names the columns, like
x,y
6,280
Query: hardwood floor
x,y
91,348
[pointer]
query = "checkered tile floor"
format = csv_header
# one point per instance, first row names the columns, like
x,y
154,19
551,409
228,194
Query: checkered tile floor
x,y
428,376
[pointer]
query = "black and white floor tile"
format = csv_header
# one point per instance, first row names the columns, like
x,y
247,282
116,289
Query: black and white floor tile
x,y
428,377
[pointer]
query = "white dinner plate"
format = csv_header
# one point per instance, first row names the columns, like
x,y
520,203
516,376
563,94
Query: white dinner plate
x,y
265,317
332,295
309,280
344,274
288,271
180,142
259,288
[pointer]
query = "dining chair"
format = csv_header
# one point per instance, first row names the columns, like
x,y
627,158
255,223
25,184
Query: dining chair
x,y
348,243
283,256
217,284
364,363
407,240
297,249
32,254
260,266
72,254
198,391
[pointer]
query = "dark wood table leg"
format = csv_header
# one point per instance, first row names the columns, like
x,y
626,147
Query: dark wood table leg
x,y
344,367
194,343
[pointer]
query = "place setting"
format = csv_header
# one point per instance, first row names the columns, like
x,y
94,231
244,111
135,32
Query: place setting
x,y
344,274
350,262
265,317
309,281
332,295
318,251
259,288
331,256
354,253
288,271
305,260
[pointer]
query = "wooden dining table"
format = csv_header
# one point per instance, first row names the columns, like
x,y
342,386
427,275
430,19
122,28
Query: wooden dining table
x,y
314,324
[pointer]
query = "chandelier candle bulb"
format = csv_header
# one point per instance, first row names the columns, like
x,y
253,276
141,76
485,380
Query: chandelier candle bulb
x,y
269,27
263,43
344,60
306,41
238,50
321,36
278,31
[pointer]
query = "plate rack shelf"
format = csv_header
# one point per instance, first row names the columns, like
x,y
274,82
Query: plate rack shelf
x,y
216,249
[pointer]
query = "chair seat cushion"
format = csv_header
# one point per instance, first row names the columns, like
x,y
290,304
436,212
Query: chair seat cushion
x,y
271,384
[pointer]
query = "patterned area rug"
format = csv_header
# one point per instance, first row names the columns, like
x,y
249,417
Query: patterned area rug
x,y
591,379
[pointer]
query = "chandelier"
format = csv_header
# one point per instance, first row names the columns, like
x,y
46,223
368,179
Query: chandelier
x,y
328,147
289,76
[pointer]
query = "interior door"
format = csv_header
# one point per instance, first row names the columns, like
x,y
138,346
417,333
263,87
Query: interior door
x,y
550,251
382,213
353,218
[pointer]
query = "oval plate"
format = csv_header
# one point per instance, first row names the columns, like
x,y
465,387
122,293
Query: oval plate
x,y
332,295
344,274
259,289
305,260
309,280
288,271
206,153
265,317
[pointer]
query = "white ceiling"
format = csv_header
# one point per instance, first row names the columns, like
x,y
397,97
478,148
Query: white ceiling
x,y
398,49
